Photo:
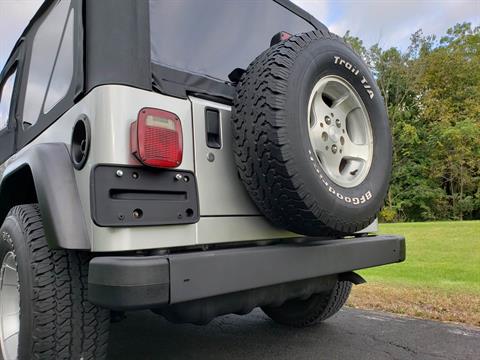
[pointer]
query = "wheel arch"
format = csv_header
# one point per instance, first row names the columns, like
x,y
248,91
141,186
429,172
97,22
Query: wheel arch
x,y
44,174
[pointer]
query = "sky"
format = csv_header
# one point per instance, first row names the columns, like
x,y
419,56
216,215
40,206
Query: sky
x,y
387,22
391,22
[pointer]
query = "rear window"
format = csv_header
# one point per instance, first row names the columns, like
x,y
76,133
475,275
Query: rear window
x,y
213,37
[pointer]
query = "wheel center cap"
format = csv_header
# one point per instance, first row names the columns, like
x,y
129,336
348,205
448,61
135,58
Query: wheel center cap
x,y
334,133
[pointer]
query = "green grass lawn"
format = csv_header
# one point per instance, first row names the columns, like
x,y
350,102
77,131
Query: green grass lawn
x,y
440,255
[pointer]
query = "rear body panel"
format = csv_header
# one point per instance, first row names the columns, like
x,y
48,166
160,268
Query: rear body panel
x,y
225,208
220,189
114,73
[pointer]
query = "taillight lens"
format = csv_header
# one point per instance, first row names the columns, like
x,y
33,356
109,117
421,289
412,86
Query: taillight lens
x,y
156,138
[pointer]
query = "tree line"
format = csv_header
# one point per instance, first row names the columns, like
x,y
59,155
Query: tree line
x,y
432,94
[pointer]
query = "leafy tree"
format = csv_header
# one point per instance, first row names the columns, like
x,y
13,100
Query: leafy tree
x,y
449,93
432,94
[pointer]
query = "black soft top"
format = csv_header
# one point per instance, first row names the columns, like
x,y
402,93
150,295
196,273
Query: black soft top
x,y
124,40
47,3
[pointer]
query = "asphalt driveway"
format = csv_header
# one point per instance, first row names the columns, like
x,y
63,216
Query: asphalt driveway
x,y
352,334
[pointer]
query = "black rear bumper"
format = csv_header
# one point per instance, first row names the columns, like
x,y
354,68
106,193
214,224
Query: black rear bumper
x,y
151,281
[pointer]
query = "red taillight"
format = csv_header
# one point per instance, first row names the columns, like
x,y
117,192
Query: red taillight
x,y
156,138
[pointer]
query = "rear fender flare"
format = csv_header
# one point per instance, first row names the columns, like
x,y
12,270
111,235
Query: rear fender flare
x,y
44,173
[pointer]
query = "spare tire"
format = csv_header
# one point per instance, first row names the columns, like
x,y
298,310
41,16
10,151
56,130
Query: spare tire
x,y
312,141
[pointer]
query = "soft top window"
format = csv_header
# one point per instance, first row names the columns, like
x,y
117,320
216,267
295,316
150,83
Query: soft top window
x,y
63,70
213,37
6,94
44,55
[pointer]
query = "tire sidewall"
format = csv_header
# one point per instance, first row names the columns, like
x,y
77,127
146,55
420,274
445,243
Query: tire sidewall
x,y
12,238
319,59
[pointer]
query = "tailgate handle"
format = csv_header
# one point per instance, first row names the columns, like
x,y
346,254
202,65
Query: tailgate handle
x,y
212,127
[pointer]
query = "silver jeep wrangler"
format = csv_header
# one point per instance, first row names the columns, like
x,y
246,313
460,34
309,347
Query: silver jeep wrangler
x,y
195,158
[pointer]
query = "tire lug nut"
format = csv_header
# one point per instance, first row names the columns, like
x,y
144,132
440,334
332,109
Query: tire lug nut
x,y
334,149
338,123
328,121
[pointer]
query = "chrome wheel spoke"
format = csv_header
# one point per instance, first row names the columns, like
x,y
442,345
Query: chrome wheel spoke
x,y
9,307
341,101
340,131
11,346
10,267
320,108
316,136
13,330
355,151
332,161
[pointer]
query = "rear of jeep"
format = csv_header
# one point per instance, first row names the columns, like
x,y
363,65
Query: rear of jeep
x,y
192,158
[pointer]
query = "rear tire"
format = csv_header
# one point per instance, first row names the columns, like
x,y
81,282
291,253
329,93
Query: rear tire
x,y
319,307
56,321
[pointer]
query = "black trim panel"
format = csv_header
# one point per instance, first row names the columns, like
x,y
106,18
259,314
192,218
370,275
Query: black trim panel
x,y
269,265
202,311
129,282
124,196
181,83
206,274
117,44
7,134
56,191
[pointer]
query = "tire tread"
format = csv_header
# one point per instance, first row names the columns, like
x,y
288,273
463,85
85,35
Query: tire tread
x,y
65,324
263,151
322,306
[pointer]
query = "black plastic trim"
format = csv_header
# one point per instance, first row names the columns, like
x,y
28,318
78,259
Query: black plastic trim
x,y
202,311
354,278
206,274
212,127
7,135
118,50
180,84
126,196
129,282
80,147
55,185
195,276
